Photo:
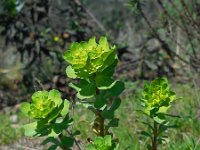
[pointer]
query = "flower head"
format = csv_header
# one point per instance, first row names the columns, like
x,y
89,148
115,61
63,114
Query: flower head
x,y
87,58
43,103
157,96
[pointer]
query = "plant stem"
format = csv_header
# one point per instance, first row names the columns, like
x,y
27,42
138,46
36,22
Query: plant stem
x,y
100,119
101,124
155,136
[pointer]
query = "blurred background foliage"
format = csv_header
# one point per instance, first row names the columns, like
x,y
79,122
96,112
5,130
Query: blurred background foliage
x,y
153,38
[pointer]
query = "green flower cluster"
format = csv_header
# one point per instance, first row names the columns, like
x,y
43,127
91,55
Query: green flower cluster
x,y
44,104
88,58
102,143
157,96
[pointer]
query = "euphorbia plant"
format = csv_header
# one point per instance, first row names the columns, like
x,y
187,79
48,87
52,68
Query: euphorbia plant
x,y
51,119
156,99
94,64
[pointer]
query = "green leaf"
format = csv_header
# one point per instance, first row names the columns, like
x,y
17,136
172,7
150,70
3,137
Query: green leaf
x,y
85,89
55,113
53,147
109,71
61,124
159,120
113,123
30,129
65,109
88,91
116,103
25,108
117,89
51,140
70,72
55,131
100,101
103,43
91,147
146,134
107,140
99,142
43,128
77,87
109,114
104,82
66,122
102,143
163,140
111,57
162,128
55,96
77,132
67,141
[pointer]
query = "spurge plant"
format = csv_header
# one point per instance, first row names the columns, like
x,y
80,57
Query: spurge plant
x,y
93,64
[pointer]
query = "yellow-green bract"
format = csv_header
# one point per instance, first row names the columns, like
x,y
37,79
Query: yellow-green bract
x,y
157,96
50,113
43,104
88,58
102,143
